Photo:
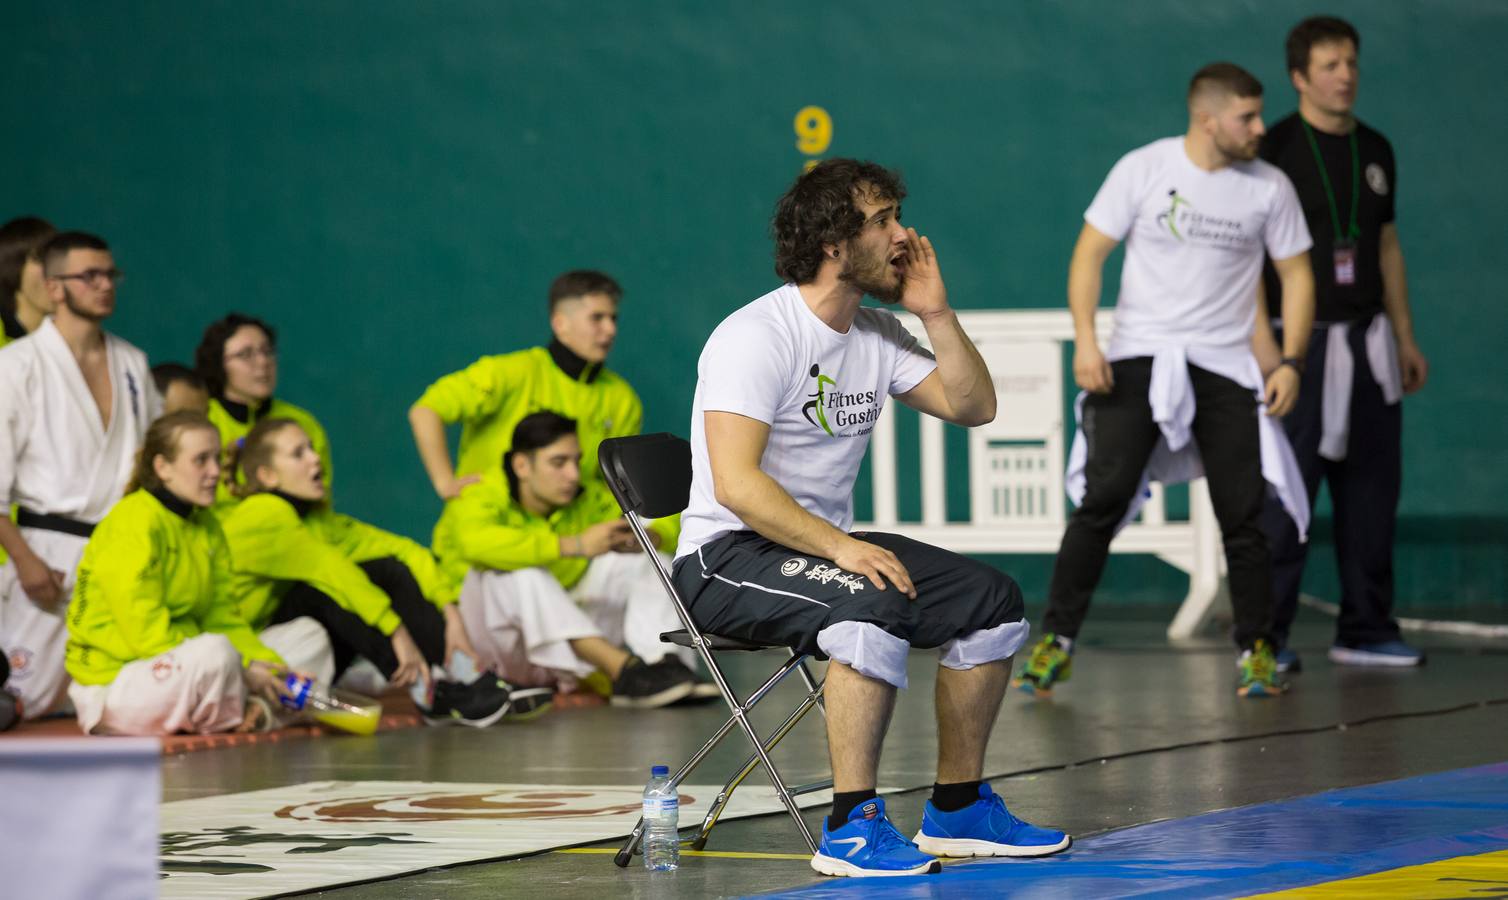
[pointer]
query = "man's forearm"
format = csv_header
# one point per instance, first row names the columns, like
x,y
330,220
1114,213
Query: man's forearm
x,y
764,506
1298,308
1395,291
1263,344
429,438
10,538
1084,283
965,378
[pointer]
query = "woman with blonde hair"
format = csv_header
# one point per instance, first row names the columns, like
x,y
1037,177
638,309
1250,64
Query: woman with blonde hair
x,y
378,595
156,641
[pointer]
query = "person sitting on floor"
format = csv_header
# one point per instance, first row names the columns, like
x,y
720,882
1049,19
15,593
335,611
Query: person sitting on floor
x,y
557,586
180,388
238,360
156,644
376,593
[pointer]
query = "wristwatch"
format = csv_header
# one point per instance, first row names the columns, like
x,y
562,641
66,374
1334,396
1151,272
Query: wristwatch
x,y
1297,362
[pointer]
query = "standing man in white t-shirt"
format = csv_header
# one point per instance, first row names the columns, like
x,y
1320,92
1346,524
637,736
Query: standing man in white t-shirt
x,y
788,390
1196,213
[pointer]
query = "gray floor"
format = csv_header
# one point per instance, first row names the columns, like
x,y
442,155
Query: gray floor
x,y
1142,732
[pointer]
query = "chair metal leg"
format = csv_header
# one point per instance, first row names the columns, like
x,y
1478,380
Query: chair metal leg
x,y
714,812
625,854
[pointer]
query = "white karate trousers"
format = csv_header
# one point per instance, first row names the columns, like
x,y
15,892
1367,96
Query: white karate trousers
x,y
32,637
197,686
522,622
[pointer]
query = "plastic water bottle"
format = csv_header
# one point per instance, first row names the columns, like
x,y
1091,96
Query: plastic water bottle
x,y
662,813
337,709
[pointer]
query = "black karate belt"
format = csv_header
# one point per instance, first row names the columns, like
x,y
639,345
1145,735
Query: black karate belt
x,y
49,522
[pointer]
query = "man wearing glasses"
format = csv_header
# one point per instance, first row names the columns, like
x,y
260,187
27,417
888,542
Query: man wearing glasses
x,y
75,403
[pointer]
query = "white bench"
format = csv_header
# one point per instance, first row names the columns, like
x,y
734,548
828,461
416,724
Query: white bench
x,y
1017,502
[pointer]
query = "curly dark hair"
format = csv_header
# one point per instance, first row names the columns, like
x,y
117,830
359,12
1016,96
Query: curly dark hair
x,y
820,209
209,358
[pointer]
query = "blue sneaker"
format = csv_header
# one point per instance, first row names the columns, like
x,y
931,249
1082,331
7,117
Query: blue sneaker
x,y
1288,661
868,844
985,828
1382,653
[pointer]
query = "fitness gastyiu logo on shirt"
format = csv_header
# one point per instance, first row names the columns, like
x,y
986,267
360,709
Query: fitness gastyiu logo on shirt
x,y
830,408
1189,225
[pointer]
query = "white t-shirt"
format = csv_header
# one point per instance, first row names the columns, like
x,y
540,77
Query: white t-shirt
x,y
1194,244
819,391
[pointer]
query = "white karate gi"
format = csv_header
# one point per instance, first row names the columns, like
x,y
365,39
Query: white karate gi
x,y
522,622
56,457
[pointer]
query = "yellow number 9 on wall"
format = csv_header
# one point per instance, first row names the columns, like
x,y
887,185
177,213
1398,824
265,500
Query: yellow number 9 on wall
x,y
814,130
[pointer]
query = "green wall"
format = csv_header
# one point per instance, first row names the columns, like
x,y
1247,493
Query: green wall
x,y
395,184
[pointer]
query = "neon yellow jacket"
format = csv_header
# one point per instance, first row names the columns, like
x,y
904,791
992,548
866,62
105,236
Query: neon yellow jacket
x,y
232,430
150,579
493,532
272,546
491,395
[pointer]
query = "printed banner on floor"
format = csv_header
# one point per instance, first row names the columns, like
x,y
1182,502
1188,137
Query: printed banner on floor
x,y
326,833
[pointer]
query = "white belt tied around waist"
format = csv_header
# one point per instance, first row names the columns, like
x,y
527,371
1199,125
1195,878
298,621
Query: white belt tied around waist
x,y
1335,396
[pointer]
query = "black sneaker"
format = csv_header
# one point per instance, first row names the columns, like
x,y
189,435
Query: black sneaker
x,y
644,686
478,704
529,704
703,690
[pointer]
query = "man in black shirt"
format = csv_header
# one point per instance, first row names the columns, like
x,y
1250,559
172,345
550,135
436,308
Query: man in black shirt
x,y
1347,425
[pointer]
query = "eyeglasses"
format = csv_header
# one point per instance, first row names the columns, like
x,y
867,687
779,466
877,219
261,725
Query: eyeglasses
x,y
250,353
95,278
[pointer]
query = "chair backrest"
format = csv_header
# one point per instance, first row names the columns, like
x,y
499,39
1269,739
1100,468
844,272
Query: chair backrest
x,y
649,474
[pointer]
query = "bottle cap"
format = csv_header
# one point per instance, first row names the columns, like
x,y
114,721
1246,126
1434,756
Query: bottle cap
x,y
299,689
659,771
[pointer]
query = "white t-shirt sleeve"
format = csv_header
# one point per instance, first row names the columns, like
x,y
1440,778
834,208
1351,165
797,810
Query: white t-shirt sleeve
x,y
1113,210
913,362
744,370
1286,233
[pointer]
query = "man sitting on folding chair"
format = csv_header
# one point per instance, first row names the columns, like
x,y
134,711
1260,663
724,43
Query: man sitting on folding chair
x,y
789,388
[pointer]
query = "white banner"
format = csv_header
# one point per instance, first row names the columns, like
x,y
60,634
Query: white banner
x,y
327,833
78,817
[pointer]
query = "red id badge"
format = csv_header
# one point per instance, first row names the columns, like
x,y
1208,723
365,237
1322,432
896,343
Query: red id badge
x,y
1345,264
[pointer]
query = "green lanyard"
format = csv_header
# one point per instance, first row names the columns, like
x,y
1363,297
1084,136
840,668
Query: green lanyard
x,y
1354,231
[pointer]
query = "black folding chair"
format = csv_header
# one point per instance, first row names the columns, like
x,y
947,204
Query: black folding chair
x,y
650,475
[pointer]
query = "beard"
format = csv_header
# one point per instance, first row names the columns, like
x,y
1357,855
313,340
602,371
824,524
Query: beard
x,y
872,274
79,310
1232,150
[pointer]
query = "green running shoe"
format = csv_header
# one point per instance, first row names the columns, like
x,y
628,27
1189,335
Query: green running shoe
x,y
1049,664
1259,672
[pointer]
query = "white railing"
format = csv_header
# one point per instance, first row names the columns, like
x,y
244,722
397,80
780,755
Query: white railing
x,y
1017,502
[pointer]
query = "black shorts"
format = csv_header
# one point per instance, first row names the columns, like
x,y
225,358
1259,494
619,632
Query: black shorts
x,y
744,586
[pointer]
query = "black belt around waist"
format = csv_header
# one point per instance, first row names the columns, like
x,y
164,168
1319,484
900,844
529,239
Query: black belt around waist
x,y
49,522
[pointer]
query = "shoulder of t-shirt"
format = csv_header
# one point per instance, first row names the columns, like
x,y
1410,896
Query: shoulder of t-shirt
x,y
1152,153
1279,135
762,314
881,321
1266,171
1371,135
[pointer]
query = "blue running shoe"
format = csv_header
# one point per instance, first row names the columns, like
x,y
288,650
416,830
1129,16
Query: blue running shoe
x,y
1383,653
985,828
868,844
